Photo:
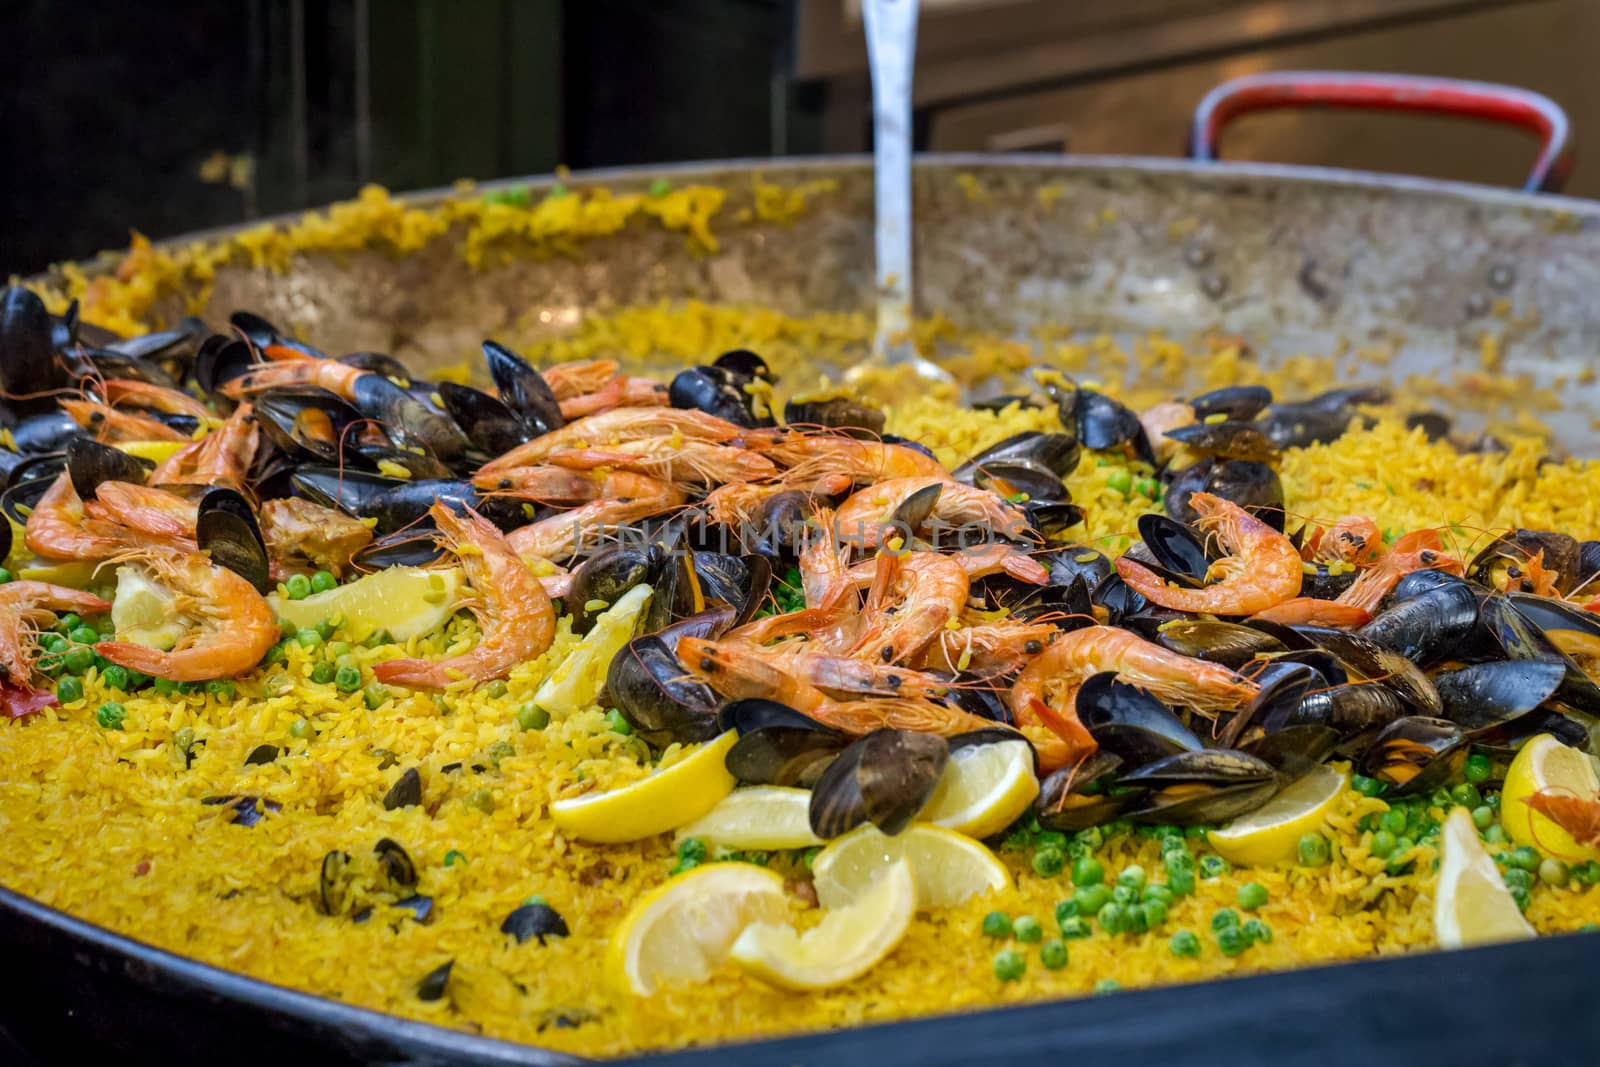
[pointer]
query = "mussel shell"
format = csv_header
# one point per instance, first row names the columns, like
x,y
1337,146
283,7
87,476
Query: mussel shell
x,y
1294,750
29,370
378,363
778,745
1243,402
333,889
406,792
738,581
1253,486
1174,546
1129,722
1103,423
1228,439
1008,478
1283,687
1050,520
1372,661
604,577
1434,425
1321,585
395,862
1228,643
534,921
1485,696
716,392
89,463
1075,562
47,431
523,390
1588,560
1561,553
648,685
227,528
1209,786
884,778
1319,420
398,503
1415,754
1426,628
89,366
743,363
306,423
23,493
1574,630
1182,484
1352,709
417,546
1064,807
1120,599
842,413
407,421
1057,453
780,525
1522,639
220,360
493,428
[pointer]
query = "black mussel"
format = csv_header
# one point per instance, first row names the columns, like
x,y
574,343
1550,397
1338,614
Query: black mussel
x,y
435,982
66,327
407,421
1484,696
1434,425
1322,584
906,442
398,503
1013,478
996,404
1227,643
1373,662
1058,388
29,370
261,333
523,390
408,548
715,391
1052,521
227,528
1184,483
678,591
1573,630
24,492
884,778
976,695
333,883
1129,722
1212,785
89,463
1504,741
778,745
1075,561
1427,628
1319,420
406,791
1066,607
840,413
1253,486
1507,562
378,363
599,581
913,511
1293,750
87,366
1325,663
1057,453
245,811
1419,582
779,525
1242,402
534,920
743,363
261,755
220,360
173,350
307,423
741,582
1353,708
375,451
1105,423
395,862
1588,560
660,701
493,428
707,625
1522,639
1415,754
1076,797
1283,685
1227,439
1175,547
46,432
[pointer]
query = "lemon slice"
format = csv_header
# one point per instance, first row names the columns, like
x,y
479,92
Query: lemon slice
x,y
947,867
577,680
406,601
76,575
1271,834
682,931
1546,764
842,947
664,801
1472,905
983,789
762,817
143,610
154,451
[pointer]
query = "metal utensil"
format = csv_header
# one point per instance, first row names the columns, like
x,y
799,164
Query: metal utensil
x,y
891,27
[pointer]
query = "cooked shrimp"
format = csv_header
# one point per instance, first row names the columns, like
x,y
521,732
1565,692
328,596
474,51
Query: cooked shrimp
x,y
1160,418
515,616
844,674
1262,568
988,648
620,392
124,392
235,625
814,455
1308,611
867,518
933,717
25,605
931,589
58,527
221,457
329,374
1421,550
1353,539
568,380
1045,693
620,498
158,516
108,424
295,528
614,427
686,463
979,561
739,671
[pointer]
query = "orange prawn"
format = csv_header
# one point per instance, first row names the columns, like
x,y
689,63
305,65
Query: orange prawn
x,y
1420,550
813,455
59,528
25,605
1262,569
867,518
614,427
1308,611
1353,539
106,423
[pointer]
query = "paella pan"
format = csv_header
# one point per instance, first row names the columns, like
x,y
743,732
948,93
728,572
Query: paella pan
x,y
483,682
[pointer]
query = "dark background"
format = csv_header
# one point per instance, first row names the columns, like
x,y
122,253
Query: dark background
x,y
111,109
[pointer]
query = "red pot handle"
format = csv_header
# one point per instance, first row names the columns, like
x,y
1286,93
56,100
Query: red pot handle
x,y
1392,92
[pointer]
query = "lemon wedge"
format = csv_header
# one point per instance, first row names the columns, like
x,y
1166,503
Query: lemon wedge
x,y
664,801
947,867
577,680
143,610
1271,834
76,575
154,451
983,789
1472,905
764,817
682,930
406,601
839,949
1546,764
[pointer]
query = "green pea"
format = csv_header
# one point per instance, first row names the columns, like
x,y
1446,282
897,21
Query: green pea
x,y
532,717
1477,768
1074,927
659,188
454,857
618,722
1120,481
1466,794
1066,909
809,856
1155,913
52,642
1495,834
1125,895
481,800
5,576
347,679
1393,820
1157,891
298,587
1252,896
1093,837
1525,856
374,695
376,638
1554,873
1368,787
1049,862
1587,873
67,623
1517,878
1257,931
1383,843
322,581
1091,898
1026,928
274,656
78,659
681,865
308,637
300,728
1107,985
1133,919
1184,944
1213,866
1053,954
221,688
1009,966
69,690
1174,860
165,686
111,715
322,673
1181,883
1224,918
1050,839
1113,917
105,628
1588,928
692,848
1088,871
327,628
997,924
496,689
1132,876
1232,941
1313,850
760,859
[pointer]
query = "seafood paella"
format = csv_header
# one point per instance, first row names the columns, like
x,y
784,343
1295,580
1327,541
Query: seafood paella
x,y
614,711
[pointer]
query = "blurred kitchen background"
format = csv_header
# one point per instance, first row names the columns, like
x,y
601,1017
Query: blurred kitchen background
x,y
174,115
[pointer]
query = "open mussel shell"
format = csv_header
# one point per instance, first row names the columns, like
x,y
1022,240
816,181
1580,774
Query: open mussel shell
x,y
378,363
1321,584
493,428
1228,643
28,367
1522,639
1321,419
1011,478
884,778
1573,630
227,529
842,413
220,360
1057,453
1053,521
1353,708
1175,547
1415,754
648,685
1104,423
523,390
1417,583
417,546
1429,627
1242,402
1277,703
715,391
1371,661
89,463
778,745
407,421
47,431
333,883
306,423
1075,561
397,503
1065,806
1212,785
743,363
1227,439
1503,563
1130,723
1294,750
738,581
29,483
602,579
1485,696
779,525
977,696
